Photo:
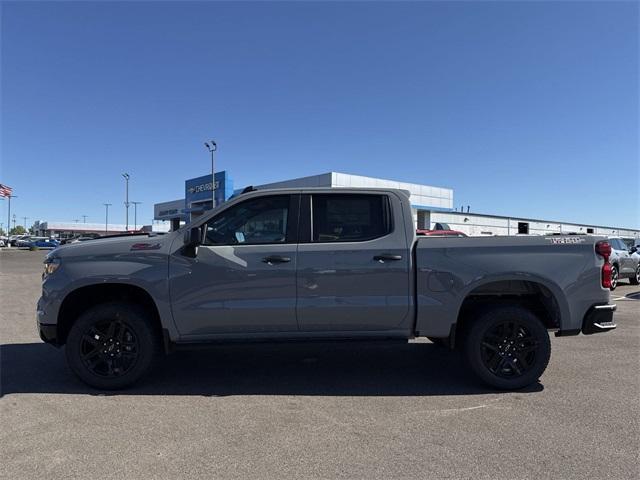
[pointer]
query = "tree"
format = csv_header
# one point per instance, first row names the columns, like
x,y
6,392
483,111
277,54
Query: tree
x,y
17,230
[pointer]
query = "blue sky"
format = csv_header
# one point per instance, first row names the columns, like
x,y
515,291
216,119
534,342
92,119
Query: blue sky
x,y
522,108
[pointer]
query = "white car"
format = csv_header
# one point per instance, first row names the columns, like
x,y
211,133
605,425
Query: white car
x,y
625,262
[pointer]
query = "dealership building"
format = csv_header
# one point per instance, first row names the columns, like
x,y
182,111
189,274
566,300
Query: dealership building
x,y
75,229
430,206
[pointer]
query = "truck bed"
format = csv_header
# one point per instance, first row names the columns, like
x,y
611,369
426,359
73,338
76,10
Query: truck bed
x,y
562,271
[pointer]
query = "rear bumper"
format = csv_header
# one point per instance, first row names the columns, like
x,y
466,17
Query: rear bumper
x,y
599,319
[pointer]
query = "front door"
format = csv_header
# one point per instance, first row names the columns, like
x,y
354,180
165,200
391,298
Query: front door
x,y
242,278
353,265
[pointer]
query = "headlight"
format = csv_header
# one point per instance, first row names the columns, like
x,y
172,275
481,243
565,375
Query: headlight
x,y
50,266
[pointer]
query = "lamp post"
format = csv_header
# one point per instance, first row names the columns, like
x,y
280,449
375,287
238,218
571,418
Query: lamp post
x,y
9,197
135,214
25,222
126,199
14,221
106,217
212,147
84,218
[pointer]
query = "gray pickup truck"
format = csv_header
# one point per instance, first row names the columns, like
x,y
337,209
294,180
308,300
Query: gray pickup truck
x,y
321,264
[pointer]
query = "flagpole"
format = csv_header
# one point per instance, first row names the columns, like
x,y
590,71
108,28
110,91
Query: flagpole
x,y
9,215
6,191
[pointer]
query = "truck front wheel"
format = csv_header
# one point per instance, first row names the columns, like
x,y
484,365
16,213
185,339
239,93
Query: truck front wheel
x,y
507,347
112,345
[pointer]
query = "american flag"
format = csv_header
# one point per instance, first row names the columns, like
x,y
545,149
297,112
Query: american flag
x,y
5,191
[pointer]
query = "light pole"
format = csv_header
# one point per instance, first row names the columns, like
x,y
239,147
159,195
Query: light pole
x,y
25,222
84,218
14,221
106,217
135,214
9,197
212,147
126,199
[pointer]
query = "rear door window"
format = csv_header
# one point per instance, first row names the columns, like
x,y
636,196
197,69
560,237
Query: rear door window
x,y
349,217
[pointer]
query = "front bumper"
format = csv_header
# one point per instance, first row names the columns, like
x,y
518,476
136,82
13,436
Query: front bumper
x,y
47,330
48,333
599,319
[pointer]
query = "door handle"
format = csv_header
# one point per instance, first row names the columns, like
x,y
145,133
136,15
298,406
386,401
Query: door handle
x,y
271,259
383,257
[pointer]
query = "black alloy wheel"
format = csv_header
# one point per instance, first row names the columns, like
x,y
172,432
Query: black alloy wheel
x,y
112,345
508,349
109,348
507,346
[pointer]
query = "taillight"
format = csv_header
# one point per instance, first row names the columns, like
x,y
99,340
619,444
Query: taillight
x,y
606,275
604,250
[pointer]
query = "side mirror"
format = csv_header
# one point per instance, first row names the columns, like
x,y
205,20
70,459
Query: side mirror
x,y
192,237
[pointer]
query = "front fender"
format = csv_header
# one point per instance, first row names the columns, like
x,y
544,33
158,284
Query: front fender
x,y
143,270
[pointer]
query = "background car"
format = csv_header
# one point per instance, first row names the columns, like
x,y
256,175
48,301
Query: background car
x,y
44,243
625,262
13,239
23,241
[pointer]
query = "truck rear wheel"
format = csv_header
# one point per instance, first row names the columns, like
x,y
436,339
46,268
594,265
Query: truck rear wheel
x,y
111,345
507,347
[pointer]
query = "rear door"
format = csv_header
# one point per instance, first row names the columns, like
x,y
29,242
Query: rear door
x,y
353,264
242,279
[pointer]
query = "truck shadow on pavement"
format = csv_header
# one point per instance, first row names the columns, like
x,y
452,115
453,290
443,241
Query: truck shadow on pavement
x,y
414,369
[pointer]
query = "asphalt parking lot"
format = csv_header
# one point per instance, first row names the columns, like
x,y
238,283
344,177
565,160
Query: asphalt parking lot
x,y
316,411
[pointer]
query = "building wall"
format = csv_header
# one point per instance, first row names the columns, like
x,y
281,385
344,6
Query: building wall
x,y
68,229
322,180
421,195
170,210
478,224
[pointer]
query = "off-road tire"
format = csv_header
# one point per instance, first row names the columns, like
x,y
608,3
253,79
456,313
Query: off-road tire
x,y
112,345
519,355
